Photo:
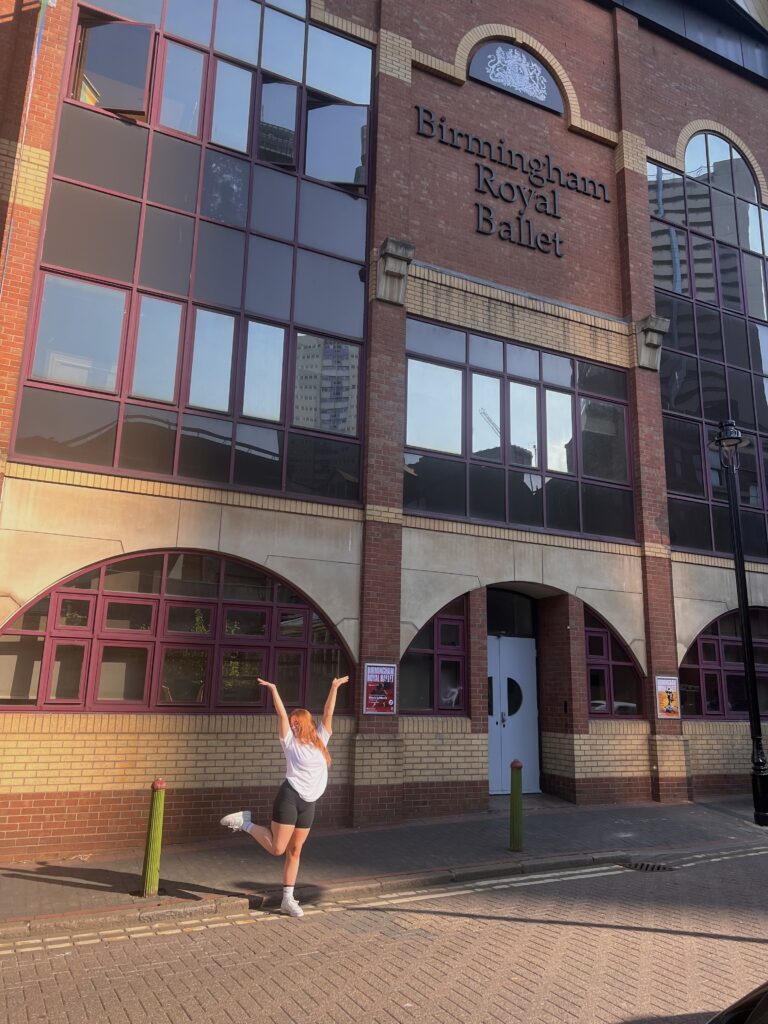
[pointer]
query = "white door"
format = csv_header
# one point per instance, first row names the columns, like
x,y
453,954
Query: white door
x,y
513,712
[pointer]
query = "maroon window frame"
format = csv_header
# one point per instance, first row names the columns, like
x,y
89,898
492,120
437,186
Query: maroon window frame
x,y
612,658
428,644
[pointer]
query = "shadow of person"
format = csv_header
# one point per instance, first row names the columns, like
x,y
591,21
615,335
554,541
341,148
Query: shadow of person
x,y
97,879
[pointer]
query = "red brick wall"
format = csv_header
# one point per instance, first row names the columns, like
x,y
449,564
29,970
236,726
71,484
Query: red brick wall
x,y
563,701
477,658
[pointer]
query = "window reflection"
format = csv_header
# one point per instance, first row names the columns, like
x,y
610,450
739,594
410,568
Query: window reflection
x,y
270,277
225,188
277,123
273,206
231,106
112,67
189,20
283,49
212,361
182,86
336,142
157,345
603,440
238,23
326,384
486,417
263,372
338,66
561,456
434,407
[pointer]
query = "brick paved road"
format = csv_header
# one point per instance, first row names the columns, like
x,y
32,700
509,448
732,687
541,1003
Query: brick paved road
x,y
599,946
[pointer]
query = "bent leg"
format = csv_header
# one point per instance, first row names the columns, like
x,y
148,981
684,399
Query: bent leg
x,y
274,839
293,855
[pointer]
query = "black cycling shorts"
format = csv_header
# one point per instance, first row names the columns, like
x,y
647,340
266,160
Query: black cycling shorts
x,y
290,809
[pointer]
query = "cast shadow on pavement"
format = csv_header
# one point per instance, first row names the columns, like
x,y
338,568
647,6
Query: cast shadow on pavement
x,y
685,1018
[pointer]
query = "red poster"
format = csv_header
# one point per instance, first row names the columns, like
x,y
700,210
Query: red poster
x,y
380,682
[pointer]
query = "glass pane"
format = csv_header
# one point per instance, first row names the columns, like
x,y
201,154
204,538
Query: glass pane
x,y
328,469
601,381
744,183
157,348
696,158
79,333
416,682
754,285
225,188
596,646
679,380
184,675
321,633
238,23
101,150
166,251
36,617
523,425
231,106
289,666
240,672
680,335
122,673
557,370
338,66
486,493
720,163
107,248
247,622
730,277
219,272
486,417
451,634
598,691
450,689
270,277
713,392
277,128
273,205
112,67
435,485
522,362
174,172
562,502
736,690
741,405
709,333
670,260
682,455
325,665
148,439
432,340
294,7
180,107
699,207
689,525
749,226
190,20
526,505
337,142
724,218
712,692
434,417
258,457
205,447
690,691
603,440
735,335
291,626
749,485
74,613
758,618
209,386
67,672
283,49
486,352
561,456
242,583
262,397
332,221
665,192
424,639
186,618
761,402
135,575
68,427
20,662
607,511
326,385
703,255
626,691
192,575
128,616
330,294
148,11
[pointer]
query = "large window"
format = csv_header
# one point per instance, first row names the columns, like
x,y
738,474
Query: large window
x,y
710,240
502,432
173,631
433,671
615,685
200,307
712,679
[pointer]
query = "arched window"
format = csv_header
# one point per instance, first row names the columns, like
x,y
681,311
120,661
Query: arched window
x,y
710,239
615,685
171,631
712,681
433,669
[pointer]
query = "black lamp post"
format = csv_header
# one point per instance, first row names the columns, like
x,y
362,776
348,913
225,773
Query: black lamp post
x,y
727,442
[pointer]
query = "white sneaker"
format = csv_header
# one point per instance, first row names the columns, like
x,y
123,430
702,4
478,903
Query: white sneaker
x,y
238,822
291,907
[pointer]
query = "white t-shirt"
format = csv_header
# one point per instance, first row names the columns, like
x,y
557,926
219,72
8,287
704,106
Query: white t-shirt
x,y
306,770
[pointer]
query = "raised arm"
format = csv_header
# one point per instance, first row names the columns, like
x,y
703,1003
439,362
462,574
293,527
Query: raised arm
x,y
330,702
283,725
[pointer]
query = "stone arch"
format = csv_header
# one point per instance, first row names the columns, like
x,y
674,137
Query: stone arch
x,y
695,127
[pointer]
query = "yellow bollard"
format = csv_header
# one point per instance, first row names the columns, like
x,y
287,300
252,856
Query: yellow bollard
x,y
516,807
150,873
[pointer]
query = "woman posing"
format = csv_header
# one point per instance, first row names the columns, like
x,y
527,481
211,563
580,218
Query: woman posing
x,y
306,776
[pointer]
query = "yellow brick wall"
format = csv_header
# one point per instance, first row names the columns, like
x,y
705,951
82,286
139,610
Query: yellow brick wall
x,y
610,748
716,748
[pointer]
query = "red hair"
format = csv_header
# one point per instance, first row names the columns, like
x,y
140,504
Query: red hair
x,y
307,733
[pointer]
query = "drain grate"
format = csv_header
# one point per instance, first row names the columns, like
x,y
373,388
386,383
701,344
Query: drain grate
x,y
646,865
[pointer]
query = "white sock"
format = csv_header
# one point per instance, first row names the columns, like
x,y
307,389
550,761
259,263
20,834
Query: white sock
x,y
287,892
247,828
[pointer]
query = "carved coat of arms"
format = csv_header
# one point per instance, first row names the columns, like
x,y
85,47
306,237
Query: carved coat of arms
x,y
514,69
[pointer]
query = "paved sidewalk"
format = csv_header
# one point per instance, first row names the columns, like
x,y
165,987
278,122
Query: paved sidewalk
x,y
235,872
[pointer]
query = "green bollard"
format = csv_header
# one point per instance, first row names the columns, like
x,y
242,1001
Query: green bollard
x,y
516,807
150,873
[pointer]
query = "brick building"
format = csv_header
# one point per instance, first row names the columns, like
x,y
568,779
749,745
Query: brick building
x,y
340,334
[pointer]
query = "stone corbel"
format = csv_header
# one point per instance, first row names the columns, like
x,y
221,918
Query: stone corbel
x,y
650,333
392,274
